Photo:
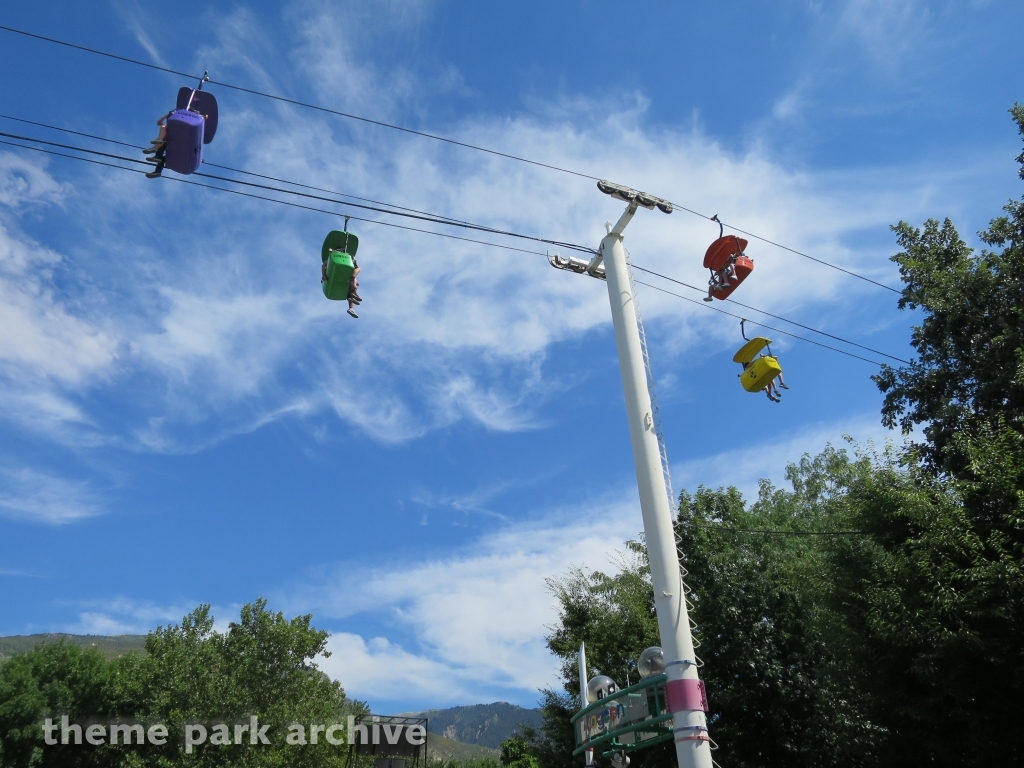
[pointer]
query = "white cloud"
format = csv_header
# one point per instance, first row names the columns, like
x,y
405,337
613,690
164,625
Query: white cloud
x,y
26,183
744,467
207,331
48,347
789,105
28,494
479,616
13,572
382,670
139,23
39,336
127,616
886,31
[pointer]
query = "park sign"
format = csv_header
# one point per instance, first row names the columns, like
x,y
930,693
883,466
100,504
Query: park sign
x,y
388,740
630,719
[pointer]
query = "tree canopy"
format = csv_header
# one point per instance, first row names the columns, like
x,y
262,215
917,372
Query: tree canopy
x,y
871,614
263,666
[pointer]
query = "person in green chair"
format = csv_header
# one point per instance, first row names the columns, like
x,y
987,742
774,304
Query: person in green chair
x,y
339,269
353,284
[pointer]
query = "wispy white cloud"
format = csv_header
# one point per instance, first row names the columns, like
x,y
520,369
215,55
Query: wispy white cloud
x,y
744,467
18,573
478,617
128,616
482,500
139,25
48,346
40,337
35,496
381,670
886,31
888,42
26,183
222,327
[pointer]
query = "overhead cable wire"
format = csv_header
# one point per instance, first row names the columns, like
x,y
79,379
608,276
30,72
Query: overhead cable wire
x,y
415,229
423,134
458,221
796,533
777,317
298,103
404,214
427,231
229,168
762,325
734,228
273,200
413,210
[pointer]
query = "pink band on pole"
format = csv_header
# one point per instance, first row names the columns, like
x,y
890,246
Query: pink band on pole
x,y
686,695
696,737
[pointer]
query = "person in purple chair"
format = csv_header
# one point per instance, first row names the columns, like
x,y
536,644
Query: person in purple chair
x,y
159,148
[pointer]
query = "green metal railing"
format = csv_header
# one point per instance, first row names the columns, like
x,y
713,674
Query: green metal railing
x,y
642,711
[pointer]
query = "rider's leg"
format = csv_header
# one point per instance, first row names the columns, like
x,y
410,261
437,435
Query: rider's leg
x,y
353,286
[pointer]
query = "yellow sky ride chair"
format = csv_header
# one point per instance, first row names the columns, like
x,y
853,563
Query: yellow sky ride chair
x,y
759,370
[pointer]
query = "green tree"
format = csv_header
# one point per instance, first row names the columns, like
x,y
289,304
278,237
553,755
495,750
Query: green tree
x,y
53,680
517,752
873,614
554,743
941,599
969,375
779,691
614,615
263,666
931,623
781,685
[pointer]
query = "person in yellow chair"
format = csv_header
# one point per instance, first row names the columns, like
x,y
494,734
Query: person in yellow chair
x,y
772,390
759,370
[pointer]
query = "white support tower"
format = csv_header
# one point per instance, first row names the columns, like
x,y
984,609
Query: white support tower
x,y
685,692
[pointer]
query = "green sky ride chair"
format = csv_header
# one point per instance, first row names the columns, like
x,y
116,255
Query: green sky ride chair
x,y
338,256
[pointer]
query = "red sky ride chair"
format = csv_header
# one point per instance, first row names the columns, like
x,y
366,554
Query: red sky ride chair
x,y
728,263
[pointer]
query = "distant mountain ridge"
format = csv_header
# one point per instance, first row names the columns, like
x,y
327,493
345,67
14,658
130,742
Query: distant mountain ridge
x,y
478,729
111,646
440,748
486,725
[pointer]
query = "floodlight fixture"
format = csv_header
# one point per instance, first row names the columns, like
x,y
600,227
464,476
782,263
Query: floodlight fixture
x,y
651,661
577,265
600,687
627,195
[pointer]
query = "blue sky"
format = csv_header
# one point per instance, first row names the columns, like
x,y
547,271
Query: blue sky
x,y
185,419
